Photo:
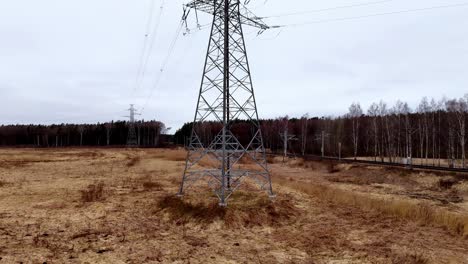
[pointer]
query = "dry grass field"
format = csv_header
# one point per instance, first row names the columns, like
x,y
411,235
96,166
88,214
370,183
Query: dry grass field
x,y
118,206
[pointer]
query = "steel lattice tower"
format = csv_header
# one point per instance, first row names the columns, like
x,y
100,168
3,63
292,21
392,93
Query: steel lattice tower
x,y
222,157
132,137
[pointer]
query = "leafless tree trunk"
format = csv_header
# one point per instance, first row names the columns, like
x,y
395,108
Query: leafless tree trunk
x,y
81,130
434,110
108,133
385,134
398,110
423,110
374,113
355,113
304,133
421,140
408,131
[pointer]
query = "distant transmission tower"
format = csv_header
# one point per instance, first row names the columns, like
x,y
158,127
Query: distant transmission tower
x,y
221,156
132,140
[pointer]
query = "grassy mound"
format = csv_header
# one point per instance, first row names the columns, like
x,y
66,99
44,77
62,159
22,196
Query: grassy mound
x,y
245,210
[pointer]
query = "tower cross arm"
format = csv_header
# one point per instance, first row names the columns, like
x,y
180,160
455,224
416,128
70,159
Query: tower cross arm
x,y
209,6
206,6
250,19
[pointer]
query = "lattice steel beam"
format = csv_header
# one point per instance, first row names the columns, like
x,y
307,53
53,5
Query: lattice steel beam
x,y
226,95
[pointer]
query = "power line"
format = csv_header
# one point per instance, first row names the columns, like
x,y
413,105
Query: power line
x,y
372,15
163,65
145,43
145,59
327,9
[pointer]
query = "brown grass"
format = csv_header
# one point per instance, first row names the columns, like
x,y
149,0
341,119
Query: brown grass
x,y
13,164
414,258
94,192
332,167
246,210
271,159
46,220
151,185
447,183
175,155
133,161
364,176
353,179
419,212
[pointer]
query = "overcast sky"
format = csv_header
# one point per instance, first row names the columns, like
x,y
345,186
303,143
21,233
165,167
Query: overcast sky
x,y
76,61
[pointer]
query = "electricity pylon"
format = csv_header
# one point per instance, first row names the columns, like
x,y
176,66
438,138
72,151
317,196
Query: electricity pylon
x,y
226,96
286,138
132,140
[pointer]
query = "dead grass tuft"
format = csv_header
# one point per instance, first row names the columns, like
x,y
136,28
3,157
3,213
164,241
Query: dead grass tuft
x,y
150,185
207,162
447,183
332,167
13,164
246,160
133,161
181,209
363,176
415,258
271,159
246,210
88,154
296,162
94,192
359,180
175,155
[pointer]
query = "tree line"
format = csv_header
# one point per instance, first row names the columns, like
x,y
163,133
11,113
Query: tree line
x,y
433,133
148,134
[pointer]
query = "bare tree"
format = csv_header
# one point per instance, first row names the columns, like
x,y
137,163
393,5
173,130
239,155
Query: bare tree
x,y
398,111
423,127
355,113
81,130
406,111
385,137
108,127
440,110
460,108
373,112
452,107
284,121
304,133
434,109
